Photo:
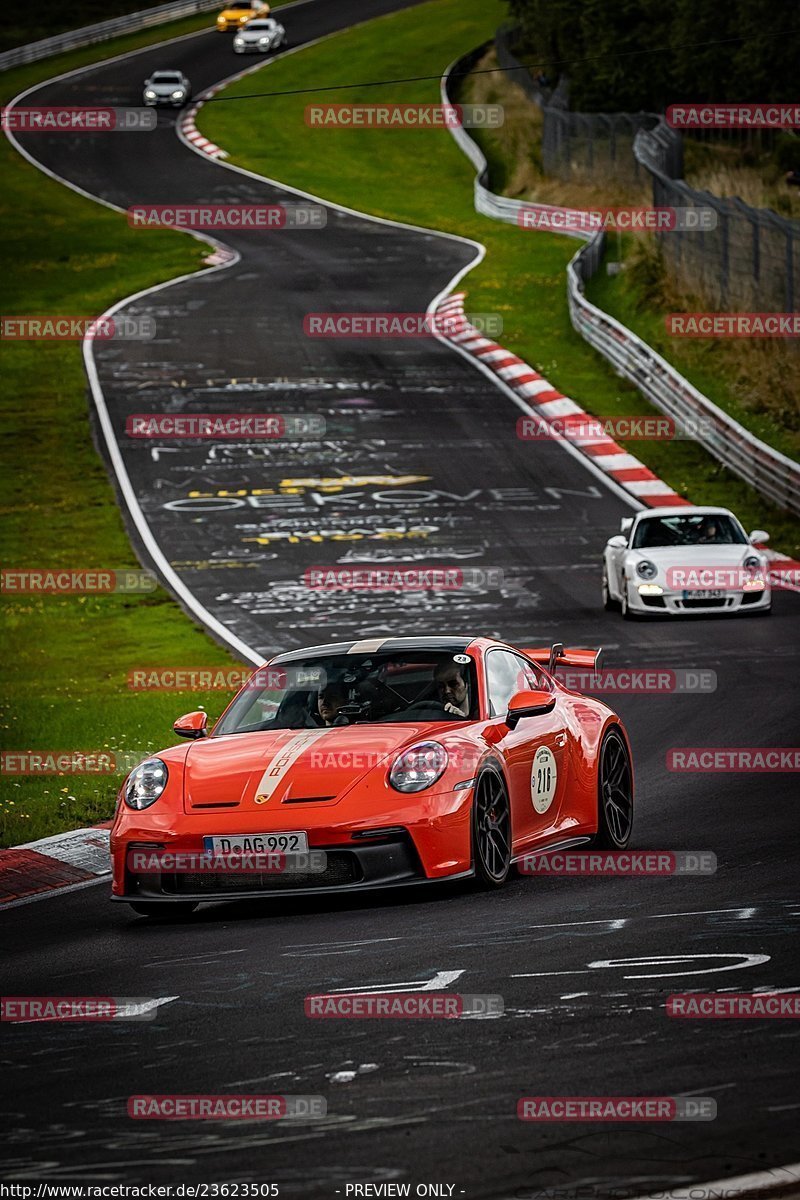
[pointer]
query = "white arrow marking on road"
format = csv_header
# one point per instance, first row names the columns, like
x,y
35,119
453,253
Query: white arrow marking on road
x,y
441,979
139,1008
747,960
661,960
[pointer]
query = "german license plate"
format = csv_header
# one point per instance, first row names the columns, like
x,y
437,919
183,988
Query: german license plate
x,y
295,841
704,594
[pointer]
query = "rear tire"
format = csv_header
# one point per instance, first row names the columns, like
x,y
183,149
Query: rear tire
x,y
614,793
164,912
491,829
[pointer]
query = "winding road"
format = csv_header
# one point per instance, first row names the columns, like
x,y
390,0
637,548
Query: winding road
x,y
434,474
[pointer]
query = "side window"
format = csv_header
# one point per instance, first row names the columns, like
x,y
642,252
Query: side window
x,y
530,677
507,674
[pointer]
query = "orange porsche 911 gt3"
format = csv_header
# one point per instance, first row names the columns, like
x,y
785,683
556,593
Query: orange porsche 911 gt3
x,y
377,763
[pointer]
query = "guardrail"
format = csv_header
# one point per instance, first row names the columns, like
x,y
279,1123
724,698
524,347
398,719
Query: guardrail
x,y
772,474
103,30
487,202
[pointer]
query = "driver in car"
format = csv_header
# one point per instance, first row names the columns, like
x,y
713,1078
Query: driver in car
x,y
709,531
452,689
331,697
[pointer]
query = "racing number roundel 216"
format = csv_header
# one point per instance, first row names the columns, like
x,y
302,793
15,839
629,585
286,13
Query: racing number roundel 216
x,y
544,778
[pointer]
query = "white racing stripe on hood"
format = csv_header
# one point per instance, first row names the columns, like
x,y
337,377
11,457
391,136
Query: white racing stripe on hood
x,y
283,762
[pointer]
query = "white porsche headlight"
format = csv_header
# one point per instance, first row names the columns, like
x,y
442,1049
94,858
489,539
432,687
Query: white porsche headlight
x,y
238,41
149,94
178,95
146,783
418,767
647,569
264,41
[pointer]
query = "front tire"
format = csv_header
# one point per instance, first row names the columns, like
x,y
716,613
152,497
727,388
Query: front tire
x,y
609,603
624,606
491,829
164,912
614,793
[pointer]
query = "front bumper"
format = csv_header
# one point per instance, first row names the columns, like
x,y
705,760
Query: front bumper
x,y
413,841
252,48
389,862
680,604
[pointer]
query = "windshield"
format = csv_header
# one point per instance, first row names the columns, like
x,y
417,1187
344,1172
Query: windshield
x,y
711,529
165,77
349,689
251,25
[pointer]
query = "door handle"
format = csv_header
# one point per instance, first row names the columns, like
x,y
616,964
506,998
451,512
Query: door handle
x,y
561,739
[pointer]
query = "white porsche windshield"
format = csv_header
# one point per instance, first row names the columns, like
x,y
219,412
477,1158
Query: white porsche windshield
x,y
708,529
349,689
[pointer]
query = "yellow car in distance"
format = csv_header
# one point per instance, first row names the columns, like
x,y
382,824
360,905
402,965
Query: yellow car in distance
x,y
239,12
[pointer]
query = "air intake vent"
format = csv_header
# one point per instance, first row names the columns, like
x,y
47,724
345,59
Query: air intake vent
x,y
307,799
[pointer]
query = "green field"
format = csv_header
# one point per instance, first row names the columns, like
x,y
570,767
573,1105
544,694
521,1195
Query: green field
x,y
64,661
423,178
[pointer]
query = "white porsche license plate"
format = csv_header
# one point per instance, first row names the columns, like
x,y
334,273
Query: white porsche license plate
x,y
704,594
293,842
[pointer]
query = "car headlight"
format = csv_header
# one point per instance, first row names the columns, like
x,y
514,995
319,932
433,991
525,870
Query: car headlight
x,y
149,94
263,41
178,95
752,563
647,569
238,41
220,20
146,783
418,767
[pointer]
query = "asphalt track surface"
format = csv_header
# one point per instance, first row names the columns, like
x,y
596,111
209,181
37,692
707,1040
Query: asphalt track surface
x,y
425,1101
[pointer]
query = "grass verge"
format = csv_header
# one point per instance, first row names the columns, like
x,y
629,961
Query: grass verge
x,y
423,178
65,660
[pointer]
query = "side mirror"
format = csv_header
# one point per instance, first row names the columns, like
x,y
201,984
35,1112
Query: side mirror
x,y
758,535
528,704
192,725
617,542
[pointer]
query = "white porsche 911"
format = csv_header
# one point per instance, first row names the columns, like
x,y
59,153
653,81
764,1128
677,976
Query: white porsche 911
x,y
683,560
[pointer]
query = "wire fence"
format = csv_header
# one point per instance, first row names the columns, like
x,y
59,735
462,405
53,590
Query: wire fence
x,y
750,260
90,35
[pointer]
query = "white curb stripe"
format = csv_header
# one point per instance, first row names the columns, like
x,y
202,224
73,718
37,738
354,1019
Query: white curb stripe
x,y
605,465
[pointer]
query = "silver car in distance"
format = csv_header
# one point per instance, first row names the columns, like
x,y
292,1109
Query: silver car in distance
x,y
259,36
167,87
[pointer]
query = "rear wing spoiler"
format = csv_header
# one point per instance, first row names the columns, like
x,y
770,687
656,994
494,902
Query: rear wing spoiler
x,y
557,655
